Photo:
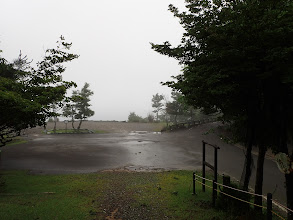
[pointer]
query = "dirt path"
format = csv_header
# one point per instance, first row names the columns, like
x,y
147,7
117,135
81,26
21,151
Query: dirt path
x,y
122,198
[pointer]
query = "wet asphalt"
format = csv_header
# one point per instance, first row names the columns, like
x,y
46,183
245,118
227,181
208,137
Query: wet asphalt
x,y
140,151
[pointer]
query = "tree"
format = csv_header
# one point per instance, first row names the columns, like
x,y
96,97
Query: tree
x,y
157,104
134,118
237,58
69,109
55,108
150,117
81,102
176,107
26,93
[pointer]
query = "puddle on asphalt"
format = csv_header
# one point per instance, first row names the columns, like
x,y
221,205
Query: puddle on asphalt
x,y
142,132
138,142
42,138
138,132
157,132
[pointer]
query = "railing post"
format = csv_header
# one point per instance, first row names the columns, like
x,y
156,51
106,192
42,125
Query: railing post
x,y
269,206
226,182
203,165
193,177
214,193
216,164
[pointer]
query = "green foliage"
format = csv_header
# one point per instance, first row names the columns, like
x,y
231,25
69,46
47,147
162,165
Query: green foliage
x,y
157,104
179,110
135,118
82,103
237,58
235,53
79,107
69,110
150,118
176,107
26,93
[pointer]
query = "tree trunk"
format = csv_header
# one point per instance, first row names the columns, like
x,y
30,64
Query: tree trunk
x,y
72,122
167,120
259,177
248,155
79,125
283,146
248,166
55,124
289,192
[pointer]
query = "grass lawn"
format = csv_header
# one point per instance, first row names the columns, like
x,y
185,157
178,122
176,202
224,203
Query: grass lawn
x,y
105,195
75,131
16,140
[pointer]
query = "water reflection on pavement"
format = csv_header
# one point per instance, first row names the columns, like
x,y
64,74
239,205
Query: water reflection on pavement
x,y
136,150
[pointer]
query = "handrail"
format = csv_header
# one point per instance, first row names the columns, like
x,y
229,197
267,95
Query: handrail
x,y
275,202
240,199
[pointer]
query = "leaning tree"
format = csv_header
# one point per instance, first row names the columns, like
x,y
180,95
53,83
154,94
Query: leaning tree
x,y
26,93
79,107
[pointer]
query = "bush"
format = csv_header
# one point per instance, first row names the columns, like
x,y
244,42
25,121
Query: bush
x,y
150,118
135,118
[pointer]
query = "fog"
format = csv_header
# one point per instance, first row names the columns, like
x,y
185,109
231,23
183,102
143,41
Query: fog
x,y
113,41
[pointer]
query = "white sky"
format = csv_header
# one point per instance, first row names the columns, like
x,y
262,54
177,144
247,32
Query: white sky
x,y
113,41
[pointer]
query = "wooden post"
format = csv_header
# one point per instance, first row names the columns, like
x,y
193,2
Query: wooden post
x,y
216,165
193,177
269,206
203,165
226,182
214,193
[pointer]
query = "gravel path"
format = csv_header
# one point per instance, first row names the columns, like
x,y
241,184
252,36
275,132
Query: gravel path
x,y
121,202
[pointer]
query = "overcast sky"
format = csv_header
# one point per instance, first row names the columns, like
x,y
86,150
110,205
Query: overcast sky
x,y
113,41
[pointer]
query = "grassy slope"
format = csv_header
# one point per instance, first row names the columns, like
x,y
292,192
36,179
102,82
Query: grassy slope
x,y
116,194
16,140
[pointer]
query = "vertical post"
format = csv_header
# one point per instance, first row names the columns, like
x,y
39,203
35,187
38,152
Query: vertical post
x,y
203,165
214,193
269,206
216,164
193,177
226,182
